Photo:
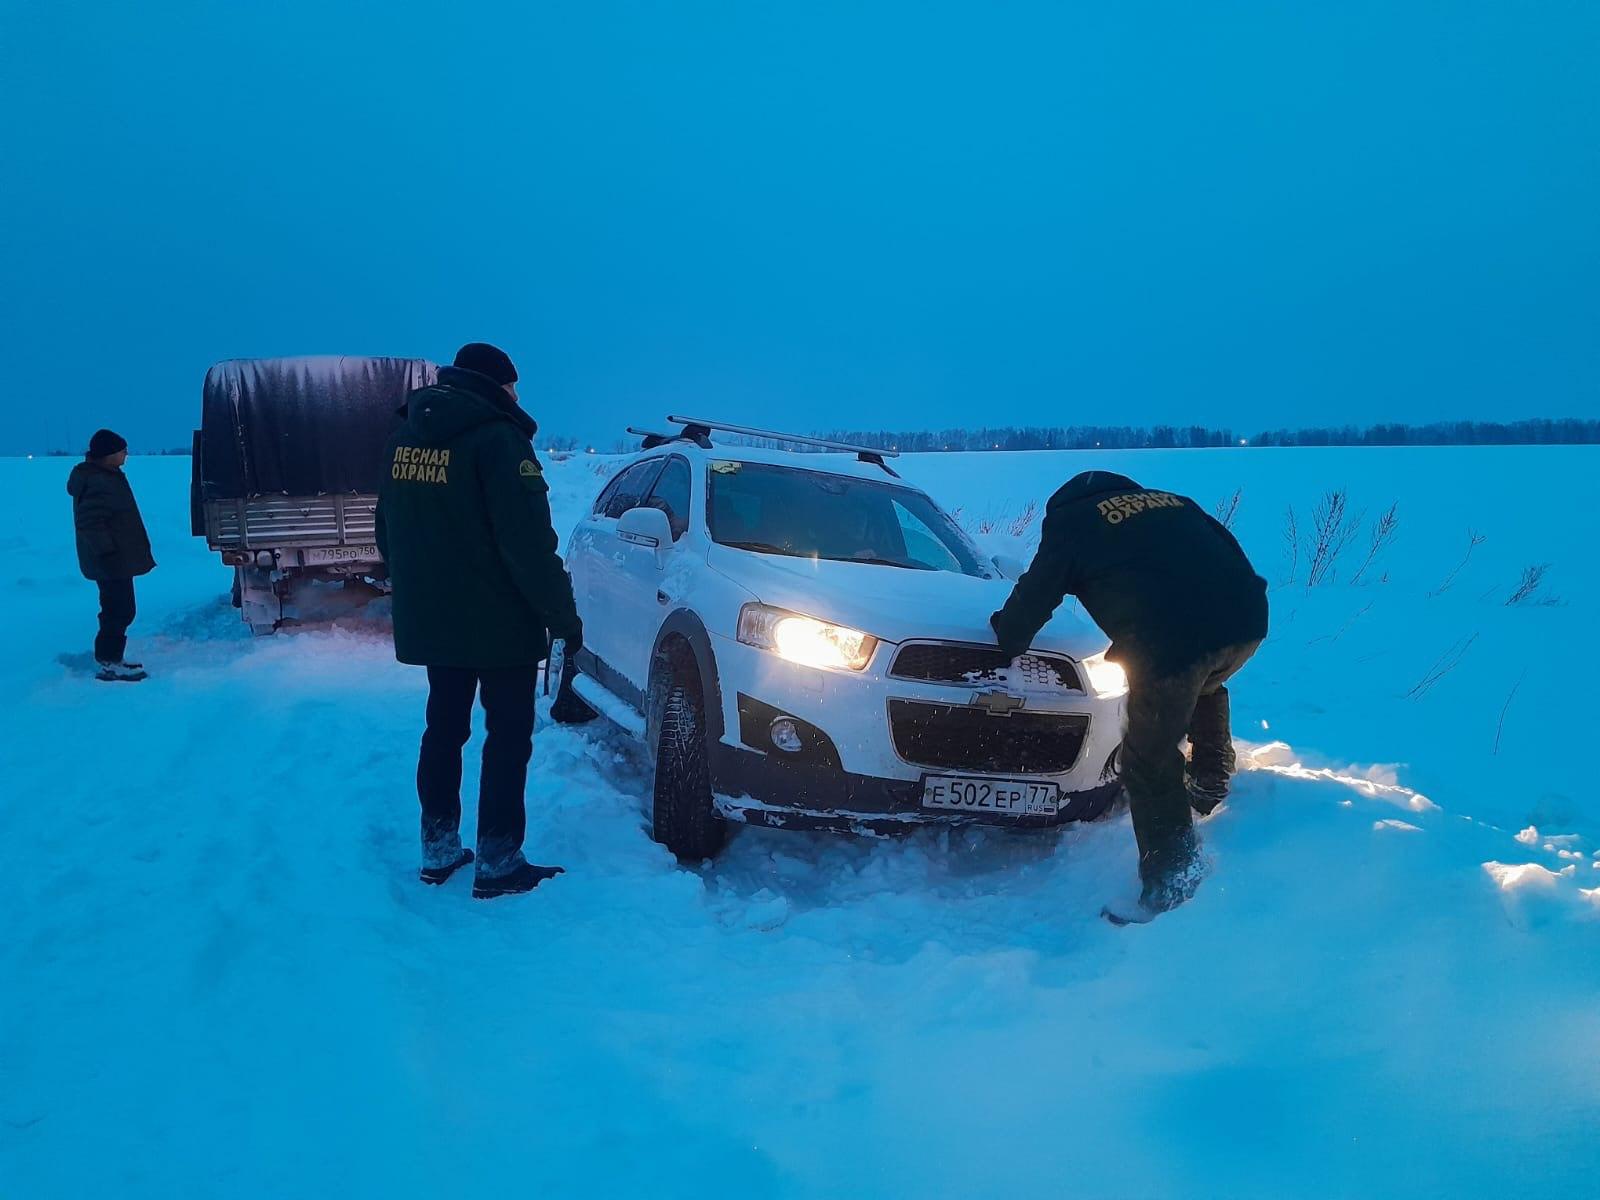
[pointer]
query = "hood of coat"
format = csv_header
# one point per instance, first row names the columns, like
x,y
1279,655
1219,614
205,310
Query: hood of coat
x,y
460,401
88,469
1094,483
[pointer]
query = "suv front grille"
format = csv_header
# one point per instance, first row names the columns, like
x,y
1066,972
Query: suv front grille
x,y
960,737
951,662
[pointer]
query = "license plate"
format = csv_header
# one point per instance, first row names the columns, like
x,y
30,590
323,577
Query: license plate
x,y
339,554
1007,797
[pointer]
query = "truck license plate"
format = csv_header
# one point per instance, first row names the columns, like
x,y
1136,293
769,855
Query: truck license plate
x,y
1009,797
339,554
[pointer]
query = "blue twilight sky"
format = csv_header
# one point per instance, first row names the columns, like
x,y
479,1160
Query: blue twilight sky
x,y
810,214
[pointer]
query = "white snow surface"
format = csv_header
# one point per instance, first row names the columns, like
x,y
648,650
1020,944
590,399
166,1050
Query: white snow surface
x,y
219,976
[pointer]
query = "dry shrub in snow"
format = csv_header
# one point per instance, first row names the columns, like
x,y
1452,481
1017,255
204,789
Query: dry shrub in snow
x,y
1383,531
1227,510
1023,521
1332,530
1527,589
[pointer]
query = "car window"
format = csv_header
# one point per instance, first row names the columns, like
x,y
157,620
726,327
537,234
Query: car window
x,y
922,543
671,495
813,514
606,493
628,489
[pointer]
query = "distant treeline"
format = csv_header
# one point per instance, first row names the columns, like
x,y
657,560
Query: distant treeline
x,y
1568,432
1541,432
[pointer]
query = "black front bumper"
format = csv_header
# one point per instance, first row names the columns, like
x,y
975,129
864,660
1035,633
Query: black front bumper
x,y
783,793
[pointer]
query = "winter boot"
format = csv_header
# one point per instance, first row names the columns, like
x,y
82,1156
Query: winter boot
x,y
523,877
1206,793
121,672
1171,876
437,875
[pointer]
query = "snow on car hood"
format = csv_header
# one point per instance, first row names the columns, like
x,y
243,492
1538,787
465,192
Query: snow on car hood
x,y
896,604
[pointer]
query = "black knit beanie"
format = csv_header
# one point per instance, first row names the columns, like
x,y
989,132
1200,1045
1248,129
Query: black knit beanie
x,y
104,443
487,360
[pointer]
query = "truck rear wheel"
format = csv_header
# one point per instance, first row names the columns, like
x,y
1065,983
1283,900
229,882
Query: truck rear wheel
x,y
260,599
684,818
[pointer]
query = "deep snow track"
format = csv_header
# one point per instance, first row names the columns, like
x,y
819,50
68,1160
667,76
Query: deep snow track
x,y
221,978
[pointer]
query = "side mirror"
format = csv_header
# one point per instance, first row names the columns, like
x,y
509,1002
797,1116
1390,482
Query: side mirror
x,y
1009,565
645,527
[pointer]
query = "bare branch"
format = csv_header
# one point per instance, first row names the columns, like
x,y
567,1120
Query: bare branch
x,y
1474,540
1344,628
1532,580
1501,725
1227,510
1442,666
1383,532
1291,541
1023,521
1333,528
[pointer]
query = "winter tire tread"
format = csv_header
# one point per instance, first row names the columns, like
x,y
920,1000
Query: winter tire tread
x,y
684,818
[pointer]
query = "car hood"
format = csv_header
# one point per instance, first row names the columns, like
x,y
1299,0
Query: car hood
x,y
896,604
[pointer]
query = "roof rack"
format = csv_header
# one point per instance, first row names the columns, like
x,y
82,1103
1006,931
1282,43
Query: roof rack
x,y
699,431
652,439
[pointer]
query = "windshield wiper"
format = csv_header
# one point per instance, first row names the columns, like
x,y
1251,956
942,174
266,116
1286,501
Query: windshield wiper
x,y
888,562
769,548
762,548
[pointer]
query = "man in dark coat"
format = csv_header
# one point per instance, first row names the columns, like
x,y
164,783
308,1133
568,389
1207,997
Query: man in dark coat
x,y
1184,610
113,548
464,524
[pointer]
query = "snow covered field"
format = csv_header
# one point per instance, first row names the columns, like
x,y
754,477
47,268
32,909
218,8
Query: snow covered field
x,y
220,978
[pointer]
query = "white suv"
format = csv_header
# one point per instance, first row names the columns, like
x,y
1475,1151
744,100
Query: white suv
x,y
802,640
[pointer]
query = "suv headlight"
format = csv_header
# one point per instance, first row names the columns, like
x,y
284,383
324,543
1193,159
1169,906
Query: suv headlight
x,y
1106,678
805,640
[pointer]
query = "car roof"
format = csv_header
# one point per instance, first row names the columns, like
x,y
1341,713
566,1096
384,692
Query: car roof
x,y
828,462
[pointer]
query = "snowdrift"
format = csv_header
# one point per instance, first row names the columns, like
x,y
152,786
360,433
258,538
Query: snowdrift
x,y
221,978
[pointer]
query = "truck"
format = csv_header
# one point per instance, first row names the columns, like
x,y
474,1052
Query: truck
x,y
285,472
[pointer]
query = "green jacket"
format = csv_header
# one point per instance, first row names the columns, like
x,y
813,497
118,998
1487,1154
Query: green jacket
x,y
1158,573
464,523
112,542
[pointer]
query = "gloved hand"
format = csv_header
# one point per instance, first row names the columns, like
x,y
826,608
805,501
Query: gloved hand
x,y
1012,651
569,708
572,644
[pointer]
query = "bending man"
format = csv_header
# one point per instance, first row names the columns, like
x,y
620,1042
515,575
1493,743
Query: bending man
x,y
1184,610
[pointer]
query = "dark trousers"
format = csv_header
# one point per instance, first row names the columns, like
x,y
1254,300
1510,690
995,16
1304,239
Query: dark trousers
x,y
116,614
1161,710
507,696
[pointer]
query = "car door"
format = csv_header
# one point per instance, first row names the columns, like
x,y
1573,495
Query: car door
x,y
644,591
605,597
581,545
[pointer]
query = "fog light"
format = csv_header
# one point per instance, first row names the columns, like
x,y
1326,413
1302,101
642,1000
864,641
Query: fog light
x,y
786,735
266,560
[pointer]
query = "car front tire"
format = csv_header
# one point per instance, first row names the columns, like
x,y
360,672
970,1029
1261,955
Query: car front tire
x,y
684,818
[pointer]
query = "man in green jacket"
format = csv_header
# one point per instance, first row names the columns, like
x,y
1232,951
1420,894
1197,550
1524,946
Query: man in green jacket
x,y
1184,610
464,524
113,548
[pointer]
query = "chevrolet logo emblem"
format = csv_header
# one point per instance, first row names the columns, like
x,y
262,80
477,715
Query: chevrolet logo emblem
x,y
997,704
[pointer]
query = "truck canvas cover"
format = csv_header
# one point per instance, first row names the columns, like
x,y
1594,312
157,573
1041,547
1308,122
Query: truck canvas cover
x,y
299,426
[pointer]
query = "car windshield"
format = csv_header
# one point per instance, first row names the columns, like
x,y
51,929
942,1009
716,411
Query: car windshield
x,y
811,514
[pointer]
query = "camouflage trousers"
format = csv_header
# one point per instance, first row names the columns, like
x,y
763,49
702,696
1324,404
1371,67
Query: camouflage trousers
x,y
1162,710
